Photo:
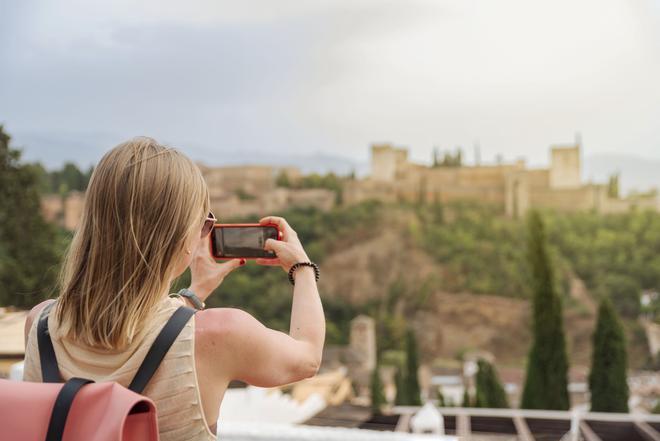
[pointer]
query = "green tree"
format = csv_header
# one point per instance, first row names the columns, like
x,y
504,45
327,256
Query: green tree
x,y
282,179
28,245
440,397
490,392
86,177
69,178
42,177
656,408
613,186
377,392
607,379
466,398
244,195
448,159
412,365
624,291
546,385
401,397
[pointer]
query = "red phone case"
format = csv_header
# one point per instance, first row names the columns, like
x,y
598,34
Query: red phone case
x,y
279,237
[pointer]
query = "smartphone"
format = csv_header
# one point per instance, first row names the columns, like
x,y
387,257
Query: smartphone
x,y
231,241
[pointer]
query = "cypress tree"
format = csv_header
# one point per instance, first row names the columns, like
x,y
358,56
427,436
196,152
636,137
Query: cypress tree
x,y
412,365
377,393
607,379
490,392
401,397
546,385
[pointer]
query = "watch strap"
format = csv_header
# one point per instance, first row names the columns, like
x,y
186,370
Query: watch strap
x,y
185,292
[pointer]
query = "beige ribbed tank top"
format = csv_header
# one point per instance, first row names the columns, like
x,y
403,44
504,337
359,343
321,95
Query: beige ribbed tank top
x,y
173,388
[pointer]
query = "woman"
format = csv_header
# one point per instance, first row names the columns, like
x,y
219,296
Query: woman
x,y
146,219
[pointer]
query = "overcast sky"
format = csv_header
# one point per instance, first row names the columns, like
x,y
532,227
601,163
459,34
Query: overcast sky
x,y
333,76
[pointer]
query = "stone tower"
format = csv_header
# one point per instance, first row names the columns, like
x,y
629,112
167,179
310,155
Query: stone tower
x,y
565,167
386,161
363,340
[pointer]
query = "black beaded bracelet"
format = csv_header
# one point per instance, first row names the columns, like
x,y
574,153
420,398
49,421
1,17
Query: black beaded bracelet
x,y
295,266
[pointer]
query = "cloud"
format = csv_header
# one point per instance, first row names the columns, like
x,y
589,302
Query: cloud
x,y
514,74
336,75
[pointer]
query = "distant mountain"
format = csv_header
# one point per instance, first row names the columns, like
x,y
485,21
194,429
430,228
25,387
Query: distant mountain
x,y
317,162
85,149
54,148
636,173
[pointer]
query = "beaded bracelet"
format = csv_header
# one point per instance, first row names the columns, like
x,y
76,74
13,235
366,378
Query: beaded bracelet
x,y
295,266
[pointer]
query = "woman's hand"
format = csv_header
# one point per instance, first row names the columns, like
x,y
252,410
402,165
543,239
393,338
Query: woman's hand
x,y
205,274
289,250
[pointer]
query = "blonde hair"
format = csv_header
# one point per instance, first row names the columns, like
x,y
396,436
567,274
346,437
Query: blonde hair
x,y
142,202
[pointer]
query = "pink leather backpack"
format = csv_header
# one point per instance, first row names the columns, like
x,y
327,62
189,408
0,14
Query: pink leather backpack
x,y
81,410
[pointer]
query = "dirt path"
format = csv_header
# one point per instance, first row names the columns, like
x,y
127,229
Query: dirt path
x,y
579,292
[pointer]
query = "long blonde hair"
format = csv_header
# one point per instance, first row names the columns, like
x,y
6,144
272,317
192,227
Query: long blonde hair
x,y
142,202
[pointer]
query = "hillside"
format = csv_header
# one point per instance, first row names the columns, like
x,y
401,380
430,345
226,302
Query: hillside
x,y
390,270
457,274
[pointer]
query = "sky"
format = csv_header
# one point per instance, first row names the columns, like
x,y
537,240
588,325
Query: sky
x,y
331,76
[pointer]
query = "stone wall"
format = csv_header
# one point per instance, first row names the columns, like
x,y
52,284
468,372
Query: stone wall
x,y
272,201
234,192
512,186
566,199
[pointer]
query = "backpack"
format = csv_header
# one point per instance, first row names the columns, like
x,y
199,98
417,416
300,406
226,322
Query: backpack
x,y
81,409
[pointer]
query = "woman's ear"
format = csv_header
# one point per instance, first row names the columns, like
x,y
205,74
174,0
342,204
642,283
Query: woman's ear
x,y
184,257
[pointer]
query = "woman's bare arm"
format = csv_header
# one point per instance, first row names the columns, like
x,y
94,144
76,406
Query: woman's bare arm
x,y
307,317
242,348
251,352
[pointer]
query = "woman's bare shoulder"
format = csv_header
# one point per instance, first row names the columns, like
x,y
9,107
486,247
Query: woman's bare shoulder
x,y
216,320
219,337
221,325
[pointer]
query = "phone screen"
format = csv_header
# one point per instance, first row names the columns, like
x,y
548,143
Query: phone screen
x,y
244,241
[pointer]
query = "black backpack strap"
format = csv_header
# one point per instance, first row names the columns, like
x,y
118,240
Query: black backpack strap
x,y
62,406
159,348
49,370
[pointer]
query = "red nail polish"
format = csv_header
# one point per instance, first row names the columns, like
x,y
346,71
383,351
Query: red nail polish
x,y
243,262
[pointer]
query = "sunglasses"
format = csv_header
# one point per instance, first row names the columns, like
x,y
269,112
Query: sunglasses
x,y
209,222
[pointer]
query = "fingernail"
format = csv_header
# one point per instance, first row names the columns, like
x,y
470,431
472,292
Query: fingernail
x,y
242,262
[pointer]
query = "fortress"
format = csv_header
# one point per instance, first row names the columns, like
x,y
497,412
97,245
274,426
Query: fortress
x,y
514,187
256,190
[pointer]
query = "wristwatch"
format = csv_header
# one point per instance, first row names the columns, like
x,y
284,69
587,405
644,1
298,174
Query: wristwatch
x,y
185,292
